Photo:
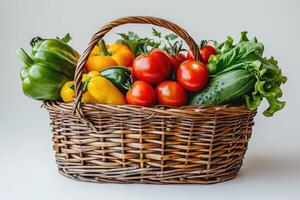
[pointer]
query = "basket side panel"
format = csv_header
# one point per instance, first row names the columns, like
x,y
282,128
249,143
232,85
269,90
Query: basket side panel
x,y
138,147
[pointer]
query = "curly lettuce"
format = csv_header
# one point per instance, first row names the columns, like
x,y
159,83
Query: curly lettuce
x,y
248,54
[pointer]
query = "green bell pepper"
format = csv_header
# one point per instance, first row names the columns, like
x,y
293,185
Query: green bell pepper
x,y
120,76
51,64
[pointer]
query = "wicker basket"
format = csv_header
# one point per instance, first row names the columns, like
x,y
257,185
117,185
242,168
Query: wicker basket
x,y
131,144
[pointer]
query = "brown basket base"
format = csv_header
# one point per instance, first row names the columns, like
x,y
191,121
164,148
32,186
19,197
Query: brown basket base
x,y
153,178
132,144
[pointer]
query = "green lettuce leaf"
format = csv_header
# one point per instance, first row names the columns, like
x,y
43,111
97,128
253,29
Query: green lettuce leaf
x,y
233,56
248,54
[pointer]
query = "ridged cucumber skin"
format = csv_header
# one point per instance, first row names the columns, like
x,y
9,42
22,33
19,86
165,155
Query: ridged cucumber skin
x,y
224,88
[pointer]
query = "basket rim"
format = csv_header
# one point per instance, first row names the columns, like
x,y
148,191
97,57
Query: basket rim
x,y
189,110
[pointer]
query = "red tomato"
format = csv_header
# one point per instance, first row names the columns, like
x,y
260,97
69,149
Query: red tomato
x,y
153,67
177,60
141,94
190,55
171,93
192,75
205,53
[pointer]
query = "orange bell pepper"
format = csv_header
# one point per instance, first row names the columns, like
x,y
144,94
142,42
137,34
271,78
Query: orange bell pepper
x,y
103,56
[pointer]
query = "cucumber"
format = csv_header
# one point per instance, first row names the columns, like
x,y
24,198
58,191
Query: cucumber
x,y
225,87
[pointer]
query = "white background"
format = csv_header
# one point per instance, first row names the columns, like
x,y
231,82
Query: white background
x,y
27,167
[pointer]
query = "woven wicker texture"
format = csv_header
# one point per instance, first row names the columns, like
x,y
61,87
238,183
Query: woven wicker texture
x,y
131,144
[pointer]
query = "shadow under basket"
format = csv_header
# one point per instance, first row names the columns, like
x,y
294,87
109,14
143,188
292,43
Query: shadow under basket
x,y
150,145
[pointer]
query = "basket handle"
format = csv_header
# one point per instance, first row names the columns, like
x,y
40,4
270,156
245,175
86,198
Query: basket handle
x,y
125,20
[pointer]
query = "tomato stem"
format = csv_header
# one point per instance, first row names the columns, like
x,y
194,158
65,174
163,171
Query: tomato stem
x,y
205,42
144,48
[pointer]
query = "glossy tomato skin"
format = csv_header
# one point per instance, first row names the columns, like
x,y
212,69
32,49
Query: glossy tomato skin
x,y
205,53
141,94
153,67
171,93
190,55
176,60
192,75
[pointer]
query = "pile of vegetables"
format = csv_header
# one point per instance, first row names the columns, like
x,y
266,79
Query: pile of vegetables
x,y
155,71
240,71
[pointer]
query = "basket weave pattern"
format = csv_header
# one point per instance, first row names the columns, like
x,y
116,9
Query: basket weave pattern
x,y
135,144
131,144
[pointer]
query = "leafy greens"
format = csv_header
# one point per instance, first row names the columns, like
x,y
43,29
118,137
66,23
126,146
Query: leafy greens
x,y
248,54
140,45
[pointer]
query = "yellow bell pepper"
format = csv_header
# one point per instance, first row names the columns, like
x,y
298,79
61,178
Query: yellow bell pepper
x,y
104,91
103,56
87,98
86,77
98,90
67,93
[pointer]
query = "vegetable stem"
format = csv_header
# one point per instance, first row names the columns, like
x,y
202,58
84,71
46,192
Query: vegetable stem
x,y
102,48
25,57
